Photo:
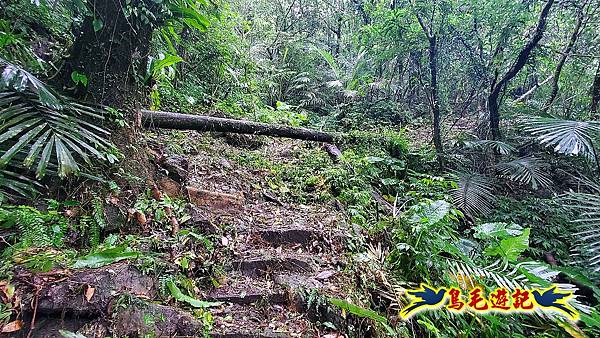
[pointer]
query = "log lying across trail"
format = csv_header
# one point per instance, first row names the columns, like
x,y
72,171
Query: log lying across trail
x,y
168,120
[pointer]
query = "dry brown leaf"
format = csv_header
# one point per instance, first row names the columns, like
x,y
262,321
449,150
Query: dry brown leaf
x,y
12,326
113,200
89,293
70,213
140,217
6,291
156,193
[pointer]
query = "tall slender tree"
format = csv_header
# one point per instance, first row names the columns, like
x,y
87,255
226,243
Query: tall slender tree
x,y
434,99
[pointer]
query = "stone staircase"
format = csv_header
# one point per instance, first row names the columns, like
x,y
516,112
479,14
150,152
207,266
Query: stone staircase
x,y
269,269
278,251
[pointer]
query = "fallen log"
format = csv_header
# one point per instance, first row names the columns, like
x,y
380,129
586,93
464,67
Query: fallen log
x,y
168,120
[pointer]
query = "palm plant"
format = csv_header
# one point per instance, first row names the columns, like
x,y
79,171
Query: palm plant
x,y
474,194
568,137
527,171
499,147
42,131
587,239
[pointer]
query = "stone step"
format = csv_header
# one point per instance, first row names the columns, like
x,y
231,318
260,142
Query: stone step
x,y
239,289
288,236
241,321
258,265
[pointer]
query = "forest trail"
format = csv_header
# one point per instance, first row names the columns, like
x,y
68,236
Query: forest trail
x,y
279,251
274,263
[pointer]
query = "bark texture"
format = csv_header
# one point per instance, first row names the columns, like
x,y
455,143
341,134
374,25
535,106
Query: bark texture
x,y
596,93
168,120
108,53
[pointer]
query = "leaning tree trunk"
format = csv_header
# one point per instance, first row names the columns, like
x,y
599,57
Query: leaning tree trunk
x,y
499,85
563,58
109,54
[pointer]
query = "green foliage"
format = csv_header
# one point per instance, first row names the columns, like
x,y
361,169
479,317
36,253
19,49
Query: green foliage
x,y
474,194
37,237
361,312
549,220
510,248
156,210
568,137
587,237
180,296
527,171
104,257
36,229
43,131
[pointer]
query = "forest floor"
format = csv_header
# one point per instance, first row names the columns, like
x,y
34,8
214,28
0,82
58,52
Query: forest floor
x,y
275,259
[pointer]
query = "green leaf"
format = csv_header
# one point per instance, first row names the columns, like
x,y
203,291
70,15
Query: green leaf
x,y
105,257
180,296
497,230
79,78
363,313
167,61
98,24
357,310
430,213
69,334
510,248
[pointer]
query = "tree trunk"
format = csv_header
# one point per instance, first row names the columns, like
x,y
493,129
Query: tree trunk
x,y
435,103
434,95
108,55
595,93
168,120
497,87
563,58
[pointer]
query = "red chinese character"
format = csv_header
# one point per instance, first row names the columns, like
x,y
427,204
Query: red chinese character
x,y
455,303
499,299
521,297
475,300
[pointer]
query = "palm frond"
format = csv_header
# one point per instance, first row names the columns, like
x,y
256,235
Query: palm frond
x,y
528,274
568,137
499,147
587,239
527,171
39,128
474,194
13,184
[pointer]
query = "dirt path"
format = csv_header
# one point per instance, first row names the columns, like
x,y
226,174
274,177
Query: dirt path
x,y
279,251
278,258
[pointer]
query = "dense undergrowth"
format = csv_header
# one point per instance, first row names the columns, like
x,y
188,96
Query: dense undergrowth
x,y
518,211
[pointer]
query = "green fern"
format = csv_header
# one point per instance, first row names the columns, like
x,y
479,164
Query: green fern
x,y
587,239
